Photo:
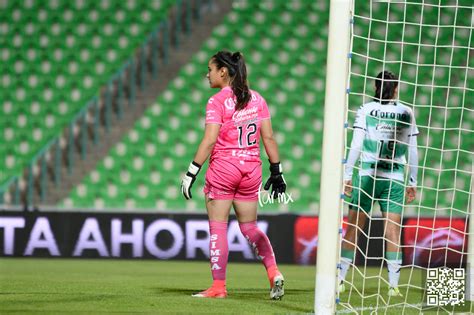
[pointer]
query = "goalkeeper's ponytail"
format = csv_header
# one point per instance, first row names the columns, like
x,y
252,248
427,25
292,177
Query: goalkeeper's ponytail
x,y
385,86
235,64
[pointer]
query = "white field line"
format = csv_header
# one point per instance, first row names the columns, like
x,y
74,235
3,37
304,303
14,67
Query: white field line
x,y
373,308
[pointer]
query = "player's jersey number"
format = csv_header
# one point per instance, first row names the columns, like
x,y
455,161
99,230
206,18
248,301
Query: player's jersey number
x,y
387,149
245,135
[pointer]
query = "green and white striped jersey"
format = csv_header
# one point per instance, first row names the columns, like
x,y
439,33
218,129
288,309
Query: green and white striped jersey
x,y
388,129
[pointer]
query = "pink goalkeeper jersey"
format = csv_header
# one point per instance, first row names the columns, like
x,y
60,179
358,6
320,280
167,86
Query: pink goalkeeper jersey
x,y
239,136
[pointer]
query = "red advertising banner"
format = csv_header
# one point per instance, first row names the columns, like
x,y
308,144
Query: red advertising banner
x,y
426,241
306,239
431,242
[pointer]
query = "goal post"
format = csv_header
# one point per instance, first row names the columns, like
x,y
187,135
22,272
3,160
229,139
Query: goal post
x,y
332,155
428,45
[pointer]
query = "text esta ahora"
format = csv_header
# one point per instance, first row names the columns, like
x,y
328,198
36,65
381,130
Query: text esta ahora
x,y
141,237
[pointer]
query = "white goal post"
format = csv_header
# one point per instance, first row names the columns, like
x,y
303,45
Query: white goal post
x,y
333,153
428,44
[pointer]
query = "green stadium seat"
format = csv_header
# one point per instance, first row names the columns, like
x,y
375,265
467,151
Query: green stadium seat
x,y
61,53
287,66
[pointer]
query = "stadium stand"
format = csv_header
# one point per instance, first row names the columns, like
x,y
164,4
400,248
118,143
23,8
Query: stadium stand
x,y
143,170
50,69
286,66
66,66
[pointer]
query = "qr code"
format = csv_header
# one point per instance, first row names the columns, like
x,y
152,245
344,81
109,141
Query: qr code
x,y
445,286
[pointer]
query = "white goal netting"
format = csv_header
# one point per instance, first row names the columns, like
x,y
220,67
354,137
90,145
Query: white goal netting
x,y
429,45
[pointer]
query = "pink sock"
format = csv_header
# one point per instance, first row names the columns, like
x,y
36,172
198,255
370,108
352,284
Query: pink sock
x,y
219,250
259,242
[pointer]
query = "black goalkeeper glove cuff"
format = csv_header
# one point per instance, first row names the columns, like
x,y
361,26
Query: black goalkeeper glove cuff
x,y
276,180
275,168
189,179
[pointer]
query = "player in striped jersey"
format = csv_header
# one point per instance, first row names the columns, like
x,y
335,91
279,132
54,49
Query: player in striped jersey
x,y
385,133
236,119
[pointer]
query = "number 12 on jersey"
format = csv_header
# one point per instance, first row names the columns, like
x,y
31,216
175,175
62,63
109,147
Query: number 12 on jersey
x,y
245,134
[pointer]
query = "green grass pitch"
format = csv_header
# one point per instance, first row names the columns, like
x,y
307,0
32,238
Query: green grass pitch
x,y
79,286
369,284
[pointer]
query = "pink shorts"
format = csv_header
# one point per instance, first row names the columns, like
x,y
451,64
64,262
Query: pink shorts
x,y
233,180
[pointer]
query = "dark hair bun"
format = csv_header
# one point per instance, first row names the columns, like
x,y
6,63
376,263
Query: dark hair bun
x,y
236,56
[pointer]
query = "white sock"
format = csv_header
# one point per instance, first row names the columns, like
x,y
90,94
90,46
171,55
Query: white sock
x,y
345,264
394,272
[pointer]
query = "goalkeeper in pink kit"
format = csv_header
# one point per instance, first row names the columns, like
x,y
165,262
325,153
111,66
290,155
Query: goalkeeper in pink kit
x,y
236,119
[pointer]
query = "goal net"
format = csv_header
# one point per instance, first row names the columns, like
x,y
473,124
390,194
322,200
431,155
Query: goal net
x,y
429,45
